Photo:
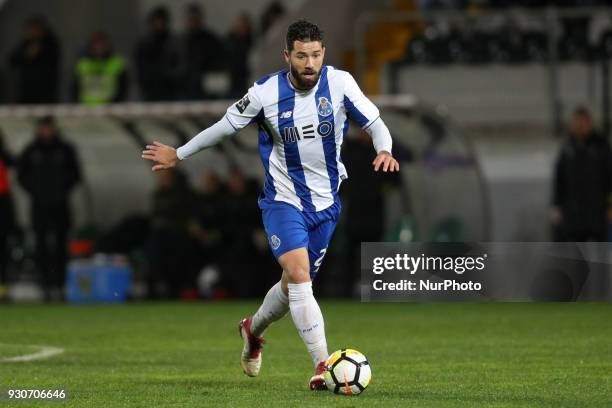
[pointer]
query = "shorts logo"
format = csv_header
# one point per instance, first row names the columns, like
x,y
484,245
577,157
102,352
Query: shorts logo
x,y
275,242
324,108
242,104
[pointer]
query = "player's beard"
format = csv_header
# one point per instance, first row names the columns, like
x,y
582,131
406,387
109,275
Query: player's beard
x,y
302,83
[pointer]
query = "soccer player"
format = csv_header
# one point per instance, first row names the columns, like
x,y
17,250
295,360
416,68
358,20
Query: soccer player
x,y
302,113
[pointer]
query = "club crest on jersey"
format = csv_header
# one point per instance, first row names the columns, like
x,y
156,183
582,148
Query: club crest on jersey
x,y
324,108
275,242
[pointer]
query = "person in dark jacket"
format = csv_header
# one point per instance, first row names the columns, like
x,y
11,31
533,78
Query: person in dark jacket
x,y
157,57
211,209
171,248
582,184
48,170
36,60
368,209
272,13
7,214
201,52
239,42
242,234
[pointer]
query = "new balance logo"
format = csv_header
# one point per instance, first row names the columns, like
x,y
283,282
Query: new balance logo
x,y
286,115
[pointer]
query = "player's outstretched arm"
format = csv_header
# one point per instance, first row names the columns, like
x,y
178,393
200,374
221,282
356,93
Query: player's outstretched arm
x,y
239,115
163,155
166,156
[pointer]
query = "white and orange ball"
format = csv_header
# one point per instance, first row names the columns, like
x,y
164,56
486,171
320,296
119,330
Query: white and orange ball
x,y
348,372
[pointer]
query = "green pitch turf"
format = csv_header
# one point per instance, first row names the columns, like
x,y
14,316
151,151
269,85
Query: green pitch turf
x,y
430,355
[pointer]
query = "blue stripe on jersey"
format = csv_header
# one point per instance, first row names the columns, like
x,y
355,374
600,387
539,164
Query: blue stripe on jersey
x,y
266,142
286,102
345,129
256,119
329,141
354,113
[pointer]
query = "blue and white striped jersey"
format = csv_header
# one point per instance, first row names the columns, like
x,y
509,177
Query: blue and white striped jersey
x,y
300,134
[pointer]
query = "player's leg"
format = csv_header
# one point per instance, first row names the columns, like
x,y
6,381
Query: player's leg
x,y
286,231
305,310
275,305
318,241
301,266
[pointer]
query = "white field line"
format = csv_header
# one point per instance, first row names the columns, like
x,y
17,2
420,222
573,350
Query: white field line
x,y
42,353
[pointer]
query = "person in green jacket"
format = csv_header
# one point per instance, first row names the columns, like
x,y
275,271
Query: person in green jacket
x,y
100,75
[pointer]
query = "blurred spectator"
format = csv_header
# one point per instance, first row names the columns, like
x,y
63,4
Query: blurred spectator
x,y
210,209
48,169
442,4
101,75
272,13
244,235
239,44
365,212
574,41
124,237
157,59
7,215
3,83
202,52
36,60
171,250
582,192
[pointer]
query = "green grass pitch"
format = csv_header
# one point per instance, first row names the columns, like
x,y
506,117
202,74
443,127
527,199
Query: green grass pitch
x,y
422,355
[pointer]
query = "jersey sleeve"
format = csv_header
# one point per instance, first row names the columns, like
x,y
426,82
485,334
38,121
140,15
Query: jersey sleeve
x,y
245,111
357,105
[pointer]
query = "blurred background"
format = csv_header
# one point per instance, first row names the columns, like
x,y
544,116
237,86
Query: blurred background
x,y
499,109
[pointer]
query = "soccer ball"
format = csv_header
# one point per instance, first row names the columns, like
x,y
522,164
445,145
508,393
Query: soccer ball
x,y
347,371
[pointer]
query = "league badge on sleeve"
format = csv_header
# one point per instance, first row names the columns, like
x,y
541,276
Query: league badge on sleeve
x,y
324,108
242,104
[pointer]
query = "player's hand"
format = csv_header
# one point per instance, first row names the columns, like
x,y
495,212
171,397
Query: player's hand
x,y
163,155
386,162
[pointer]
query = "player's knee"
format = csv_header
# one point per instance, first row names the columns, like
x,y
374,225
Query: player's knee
x,y
297,273
296,266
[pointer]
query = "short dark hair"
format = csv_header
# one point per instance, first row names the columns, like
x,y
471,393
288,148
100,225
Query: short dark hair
x,y
36,20
303,30
582,110
194,10
160,12
46,120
